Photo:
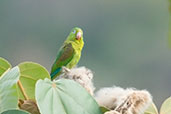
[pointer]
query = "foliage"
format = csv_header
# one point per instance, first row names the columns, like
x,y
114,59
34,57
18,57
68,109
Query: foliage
x,y
104,109
17,90
4,65
14,111
30,73
151,109
68,98
165,108
8,91
28,87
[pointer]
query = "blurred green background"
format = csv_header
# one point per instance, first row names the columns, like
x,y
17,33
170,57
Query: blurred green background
x,y
126,41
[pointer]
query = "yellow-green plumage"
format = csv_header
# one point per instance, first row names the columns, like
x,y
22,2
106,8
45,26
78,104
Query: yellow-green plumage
x,y
70,53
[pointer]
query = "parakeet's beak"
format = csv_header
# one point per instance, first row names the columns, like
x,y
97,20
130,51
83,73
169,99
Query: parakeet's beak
x,y
78,36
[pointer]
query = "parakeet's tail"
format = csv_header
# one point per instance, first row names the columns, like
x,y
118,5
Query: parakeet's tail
x,y
55,73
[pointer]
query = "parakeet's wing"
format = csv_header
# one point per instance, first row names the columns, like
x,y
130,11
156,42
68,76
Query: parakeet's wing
x,y
64,57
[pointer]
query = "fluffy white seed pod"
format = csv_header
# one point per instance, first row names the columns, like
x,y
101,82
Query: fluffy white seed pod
x,y
82,75
123,101
109,97
139,101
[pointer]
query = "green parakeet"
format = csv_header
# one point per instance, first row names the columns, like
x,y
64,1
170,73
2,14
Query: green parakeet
x,y
70,53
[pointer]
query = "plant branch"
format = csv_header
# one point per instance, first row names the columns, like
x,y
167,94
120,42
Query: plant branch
x,y
22,90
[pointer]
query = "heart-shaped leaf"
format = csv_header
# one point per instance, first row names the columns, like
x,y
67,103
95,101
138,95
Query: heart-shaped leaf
x,y
166,107
64,97
15,112
8,91
30,73
151,109
4,65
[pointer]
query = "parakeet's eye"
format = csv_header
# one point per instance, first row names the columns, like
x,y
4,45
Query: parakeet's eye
x,y
74,31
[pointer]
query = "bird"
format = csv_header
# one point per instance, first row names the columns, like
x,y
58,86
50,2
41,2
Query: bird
x,y
69,54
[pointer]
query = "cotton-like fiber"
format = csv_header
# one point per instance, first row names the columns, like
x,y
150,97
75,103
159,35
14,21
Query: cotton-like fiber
x,y
82,75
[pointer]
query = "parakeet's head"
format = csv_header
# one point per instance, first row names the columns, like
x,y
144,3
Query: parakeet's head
x,y
76,34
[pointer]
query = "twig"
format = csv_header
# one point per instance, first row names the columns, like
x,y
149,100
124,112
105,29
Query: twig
x,y
22,90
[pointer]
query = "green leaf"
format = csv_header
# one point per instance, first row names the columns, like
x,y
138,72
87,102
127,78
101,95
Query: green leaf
x,y
15,112
4,65
8,91
30,73
104,109
64,97
151,109
166,107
